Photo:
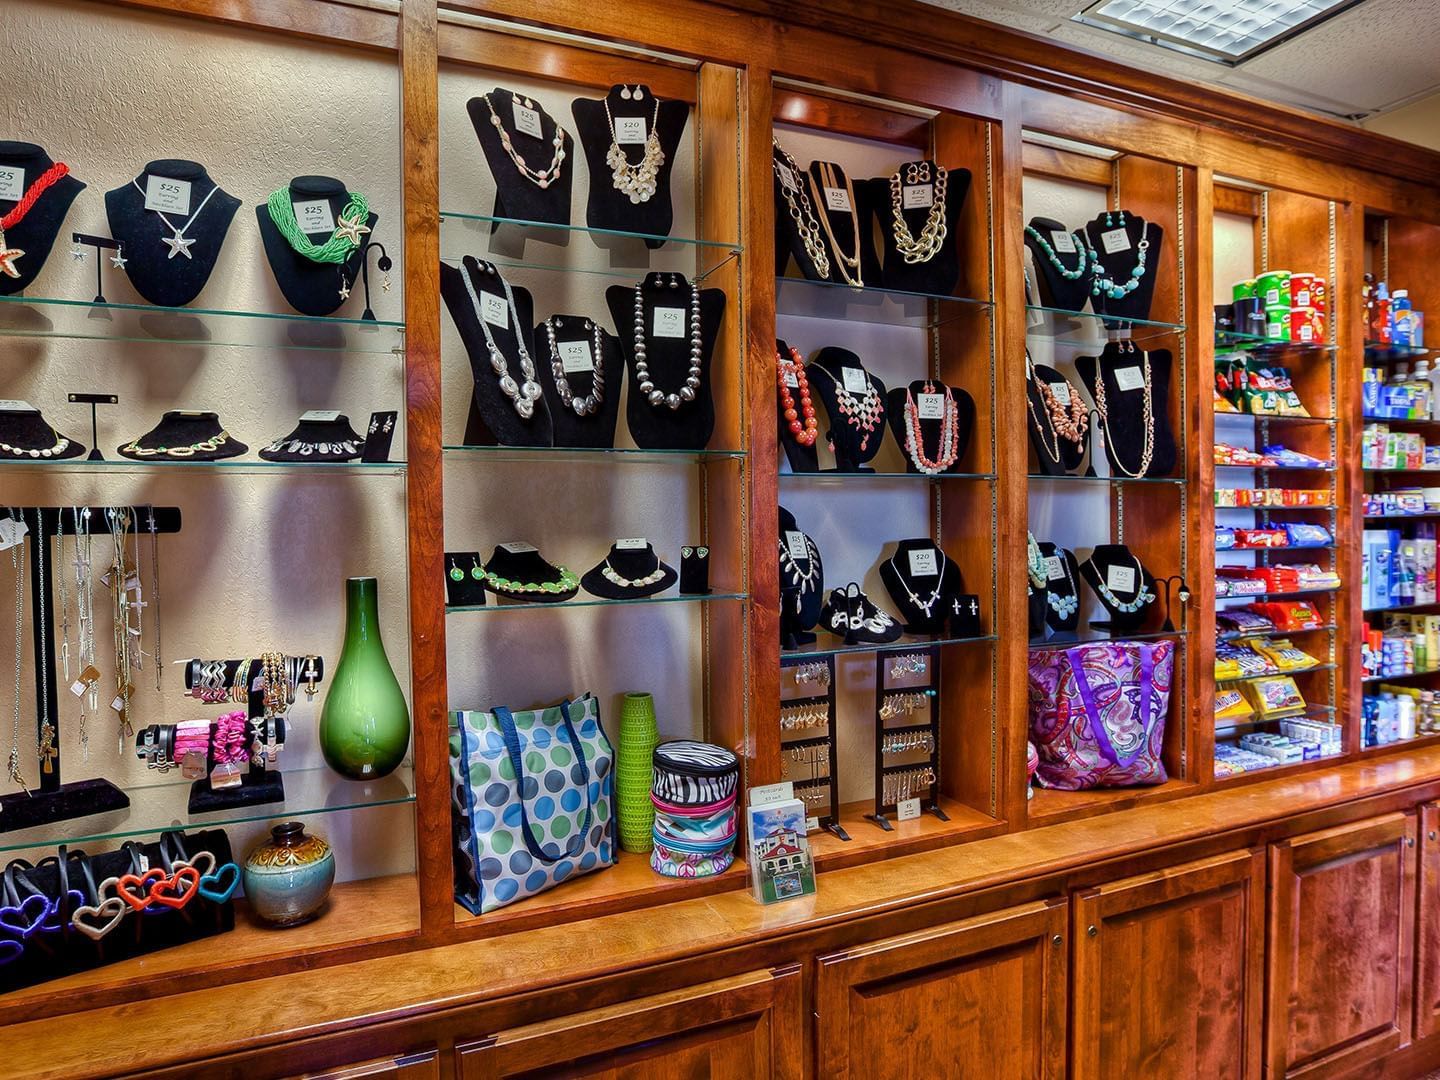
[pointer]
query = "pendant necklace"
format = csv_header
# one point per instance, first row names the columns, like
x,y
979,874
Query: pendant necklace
x,y
540,178
590,403
849,265
803,578
862,413
1143,595
524,394
1052,448
924,247
177,242
655,396
801,420
1063,605
9,256
1147,414
1054,259
927,606
797,202
637,180
949,433
13,764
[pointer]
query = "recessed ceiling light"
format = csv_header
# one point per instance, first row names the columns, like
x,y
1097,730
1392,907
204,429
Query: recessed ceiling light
x,y
1224,31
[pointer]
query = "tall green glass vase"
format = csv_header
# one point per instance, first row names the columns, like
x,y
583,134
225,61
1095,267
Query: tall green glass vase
x,y
634,770
365,726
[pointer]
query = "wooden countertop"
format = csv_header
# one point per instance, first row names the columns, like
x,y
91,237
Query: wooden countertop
x,y
310,1003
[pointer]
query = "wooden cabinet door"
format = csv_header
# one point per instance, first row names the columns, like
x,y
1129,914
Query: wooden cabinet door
x,y
746,1026
982,998
1169,972
1339,976
1427,931
423,1066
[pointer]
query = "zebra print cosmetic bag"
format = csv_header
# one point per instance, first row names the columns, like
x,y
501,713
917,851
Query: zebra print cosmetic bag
x,y
689,773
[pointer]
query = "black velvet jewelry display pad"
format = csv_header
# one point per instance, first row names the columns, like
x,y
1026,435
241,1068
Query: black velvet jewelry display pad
x,y
178,428
27,429
1124,433
567,427
895,573
1096,570
35,233
469,591
930,429
801,458
844,224
939,274
160,279
843,436
607,207
631,564
493,420
311,288
1061,586
799,608
1056,290
660,427
528,567
788,243
516,195
1135,305
1043,436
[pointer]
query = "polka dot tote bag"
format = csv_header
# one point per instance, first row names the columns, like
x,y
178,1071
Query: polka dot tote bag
x,y
534,800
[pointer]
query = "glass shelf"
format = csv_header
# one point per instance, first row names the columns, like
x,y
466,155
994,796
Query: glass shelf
x,y
1401,677
832,477
1249,635
1401,607
164,805
560,234
1066,478
1275,674
238,466
1276,595
1085,329
1254,343
50,317
616,455
828,645
1375,351
1086,635
582,600
803,298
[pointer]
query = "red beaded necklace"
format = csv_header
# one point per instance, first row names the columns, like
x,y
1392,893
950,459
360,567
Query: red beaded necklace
x,y
802,422
10,255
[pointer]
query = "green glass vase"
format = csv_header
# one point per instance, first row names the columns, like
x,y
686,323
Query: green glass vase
x,y
364,726
634,770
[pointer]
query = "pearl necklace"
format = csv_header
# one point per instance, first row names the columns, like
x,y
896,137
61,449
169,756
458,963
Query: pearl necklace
x,y
1147,412
541,179
949,433
1066,605
849,265
38,452
1049,251
1106,287
863,414
590,403
686,393
638,180
932,236
803,427
1143,595
524,395
927,606
792,185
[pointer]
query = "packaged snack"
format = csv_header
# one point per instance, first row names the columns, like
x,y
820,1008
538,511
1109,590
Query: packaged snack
x,y
1274,698
1304,534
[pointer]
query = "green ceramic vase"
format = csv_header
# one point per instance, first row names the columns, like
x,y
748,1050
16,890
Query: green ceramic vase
x,y
365,726
634,770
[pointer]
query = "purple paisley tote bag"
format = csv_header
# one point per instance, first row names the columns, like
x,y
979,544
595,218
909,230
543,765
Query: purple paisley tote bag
x,y
1097,713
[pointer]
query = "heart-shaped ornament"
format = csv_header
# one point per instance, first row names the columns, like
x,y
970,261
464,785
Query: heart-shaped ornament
x,y
10,951
221,885
135,890
24,919
178,889
97,920
55,922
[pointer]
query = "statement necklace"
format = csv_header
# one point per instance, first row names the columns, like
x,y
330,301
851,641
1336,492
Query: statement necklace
x,y
345,238
792,188
949,433
176,242
1063,604
638,180
1147,414
9,256
541,179
803,427
1054,259
590,403
54,450
686,393
522,395
1143,595
1068,420
849,264
862,413
927,606
1108,288
924,247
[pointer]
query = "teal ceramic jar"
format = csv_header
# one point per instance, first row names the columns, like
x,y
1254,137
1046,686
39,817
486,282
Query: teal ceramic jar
x,y
365,726
288,877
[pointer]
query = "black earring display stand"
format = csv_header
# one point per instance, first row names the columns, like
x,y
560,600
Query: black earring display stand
x,y
36,233
310,287
1046,441
596,430
1096,570
788,243
843,436
1119,264
493,420
939,274
608,207
51,800
799,607
668,358
1060,585
830,820
802,459
930,794
1056,290
901,580
516,195
160,279
1124,434
257,784
29,429
843,226
930,429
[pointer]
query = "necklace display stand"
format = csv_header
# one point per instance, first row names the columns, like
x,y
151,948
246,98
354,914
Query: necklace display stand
x,y
1062,588
830,820
597,429
161,279
493,419
1123,429
927,793
50,799
516,195
1119,263
800,593
668,358
1055,455
802,459
1098,570
25,435
930,429
607,206
939,274
788,241
844,224
920,575
36,232
312,288
1056,289
844,437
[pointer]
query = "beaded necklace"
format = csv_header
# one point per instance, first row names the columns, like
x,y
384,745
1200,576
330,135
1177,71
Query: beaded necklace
x,y
9,256
949,433
344,239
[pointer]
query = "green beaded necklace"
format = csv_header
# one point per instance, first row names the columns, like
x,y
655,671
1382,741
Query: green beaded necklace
x,y
344,240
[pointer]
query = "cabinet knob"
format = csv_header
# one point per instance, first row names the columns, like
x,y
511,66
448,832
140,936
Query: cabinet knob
x,y
1091,930
1057,940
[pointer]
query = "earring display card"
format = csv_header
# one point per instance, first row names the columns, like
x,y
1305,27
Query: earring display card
x,y
464,579
378,437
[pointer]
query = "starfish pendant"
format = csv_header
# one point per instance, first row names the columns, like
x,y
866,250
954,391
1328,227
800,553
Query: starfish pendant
x,y
7,260
351,229
118,260
178,245
344,289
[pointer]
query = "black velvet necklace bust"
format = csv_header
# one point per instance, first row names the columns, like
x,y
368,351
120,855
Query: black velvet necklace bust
x,y
1057,290
851,444
1055,455
163,278
35,233
1101,569
801,458
516,194
635,571
493,418
595,429
1062,585
914,198
608,207
930,426
25,435
844,224
659,427
1125,228
184,436
319,436
312,288
802,581
1122,368
923,582
521,564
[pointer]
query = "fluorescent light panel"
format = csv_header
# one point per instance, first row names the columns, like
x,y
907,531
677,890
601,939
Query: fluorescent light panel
x,y
1225,31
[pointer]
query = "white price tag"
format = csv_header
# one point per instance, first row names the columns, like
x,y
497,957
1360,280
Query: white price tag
x,y
669,322
12,183
635,543
907,810
1129,378
931,406
630,129
923,563
917,196
494,310
795,544
314,216
792,380
1061,390
1113,240
17,406
320,415
837,198
12,531
1062,242
575,356
518,547
770,794
166,195
527,121
854,380
1055,568
1120,579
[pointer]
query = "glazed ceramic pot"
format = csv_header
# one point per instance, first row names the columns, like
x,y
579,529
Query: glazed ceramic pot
x,y
365,726
288,877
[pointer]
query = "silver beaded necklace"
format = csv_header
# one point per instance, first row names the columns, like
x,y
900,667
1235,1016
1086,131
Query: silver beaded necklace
x,y
686,393
522,395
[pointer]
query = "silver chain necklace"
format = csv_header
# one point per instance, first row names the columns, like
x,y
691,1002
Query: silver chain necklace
x,y
524,394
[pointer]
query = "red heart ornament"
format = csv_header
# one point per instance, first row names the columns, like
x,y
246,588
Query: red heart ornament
x,y
178,890
143,882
